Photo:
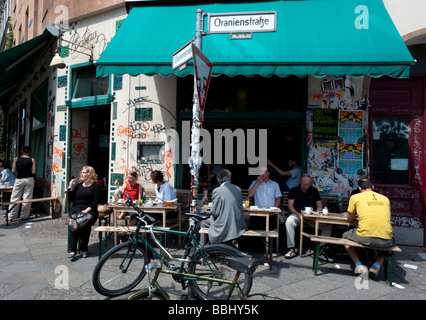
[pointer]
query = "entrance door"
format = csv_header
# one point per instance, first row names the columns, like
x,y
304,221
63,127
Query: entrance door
x,y
397,146
90,132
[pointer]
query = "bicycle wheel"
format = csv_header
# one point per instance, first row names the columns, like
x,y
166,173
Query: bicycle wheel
x,y
215,255
110,277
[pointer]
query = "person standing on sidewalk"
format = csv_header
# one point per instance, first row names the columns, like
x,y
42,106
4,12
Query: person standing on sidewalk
x,y
24,167
374,225
85,197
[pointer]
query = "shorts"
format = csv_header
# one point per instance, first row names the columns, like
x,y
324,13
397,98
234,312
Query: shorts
x,y
368,241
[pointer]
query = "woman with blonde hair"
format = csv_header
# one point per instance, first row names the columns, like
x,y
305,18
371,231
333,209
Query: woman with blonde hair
x,y
85,197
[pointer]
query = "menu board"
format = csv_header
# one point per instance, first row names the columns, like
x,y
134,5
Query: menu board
x,y
325,124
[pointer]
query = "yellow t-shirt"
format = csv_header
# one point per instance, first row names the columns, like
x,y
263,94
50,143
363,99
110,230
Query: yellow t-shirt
x,y
373,211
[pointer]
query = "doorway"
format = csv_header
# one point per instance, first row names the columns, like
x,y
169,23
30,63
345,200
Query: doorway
x,y
90,132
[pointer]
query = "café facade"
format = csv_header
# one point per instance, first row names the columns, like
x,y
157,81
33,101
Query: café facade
x,y
325,81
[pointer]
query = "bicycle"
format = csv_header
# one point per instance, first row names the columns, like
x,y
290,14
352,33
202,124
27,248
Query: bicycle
x,y
154,291
122,267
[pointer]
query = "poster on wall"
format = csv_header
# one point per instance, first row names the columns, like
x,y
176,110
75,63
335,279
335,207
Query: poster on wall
x,y
322,156
350,126
325,124
350,157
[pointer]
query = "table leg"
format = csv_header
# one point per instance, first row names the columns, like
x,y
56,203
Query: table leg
x,y
268,240
301,236
278,232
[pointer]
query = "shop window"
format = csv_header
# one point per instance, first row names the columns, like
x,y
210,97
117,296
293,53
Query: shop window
x,y
87,89
390,150
87,84
150,152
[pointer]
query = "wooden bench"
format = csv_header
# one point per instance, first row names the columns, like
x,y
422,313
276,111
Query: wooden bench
x,y
254,233
340,241
11,205
108,230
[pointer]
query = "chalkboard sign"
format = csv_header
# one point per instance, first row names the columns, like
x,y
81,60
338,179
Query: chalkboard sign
x,y
325,124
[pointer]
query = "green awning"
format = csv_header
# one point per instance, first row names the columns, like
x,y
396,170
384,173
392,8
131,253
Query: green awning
x,y
16,62
313,37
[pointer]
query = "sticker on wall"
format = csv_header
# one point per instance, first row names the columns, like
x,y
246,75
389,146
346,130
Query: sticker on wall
x,y
62,81
117,82
143,114
62,133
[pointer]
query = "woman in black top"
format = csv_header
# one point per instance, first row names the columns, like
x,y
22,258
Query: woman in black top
x,y
85,197
24,168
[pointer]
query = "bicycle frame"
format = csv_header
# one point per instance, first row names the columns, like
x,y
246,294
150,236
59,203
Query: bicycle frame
x,y
155,286
191,240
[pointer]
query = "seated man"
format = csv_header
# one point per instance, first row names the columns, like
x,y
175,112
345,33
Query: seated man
x,y
298,198
266,192
374,225
286,179
226,222
6,175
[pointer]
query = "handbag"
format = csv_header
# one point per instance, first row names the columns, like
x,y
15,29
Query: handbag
x,y
78,220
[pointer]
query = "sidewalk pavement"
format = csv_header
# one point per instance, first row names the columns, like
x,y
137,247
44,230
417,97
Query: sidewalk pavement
x,y
34,262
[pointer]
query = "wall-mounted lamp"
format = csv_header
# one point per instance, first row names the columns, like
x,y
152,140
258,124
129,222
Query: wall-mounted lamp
x,y
58,62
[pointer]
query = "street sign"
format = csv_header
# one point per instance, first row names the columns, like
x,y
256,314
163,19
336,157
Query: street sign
x,y
264,21
203,71
182,56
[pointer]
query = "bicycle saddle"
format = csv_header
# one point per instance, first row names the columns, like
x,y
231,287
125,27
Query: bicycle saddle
x,y
198,216
242,264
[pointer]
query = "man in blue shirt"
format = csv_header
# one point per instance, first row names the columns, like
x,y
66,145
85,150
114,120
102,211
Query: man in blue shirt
x,y
286,179
6,174
266,192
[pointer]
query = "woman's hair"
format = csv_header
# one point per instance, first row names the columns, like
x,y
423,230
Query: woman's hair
x,y
157,176
134,174
92,177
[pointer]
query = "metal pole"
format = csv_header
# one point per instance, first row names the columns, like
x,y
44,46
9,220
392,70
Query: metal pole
x,y
195,158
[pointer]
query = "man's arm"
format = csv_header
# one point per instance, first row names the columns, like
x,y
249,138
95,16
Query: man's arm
x,y
319,205
352,218
277,202
291,208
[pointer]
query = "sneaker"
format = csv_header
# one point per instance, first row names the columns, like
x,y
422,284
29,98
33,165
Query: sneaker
x,y
290,254
373,272
361,269
325,258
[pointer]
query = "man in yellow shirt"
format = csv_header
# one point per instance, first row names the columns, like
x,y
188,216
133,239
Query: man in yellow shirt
x,y
374,225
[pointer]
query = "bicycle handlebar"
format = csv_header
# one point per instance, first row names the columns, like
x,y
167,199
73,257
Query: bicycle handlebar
x,y
147,219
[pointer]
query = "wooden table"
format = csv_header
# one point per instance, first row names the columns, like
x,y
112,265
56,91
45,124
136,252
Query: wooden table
x,y
154,210
330,218
267,213
5,190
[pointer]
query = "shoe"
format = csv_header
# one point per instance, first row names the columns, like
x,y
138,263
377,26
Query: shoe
x,y
84,254
373,272
71,255
361,269
290,254
325,258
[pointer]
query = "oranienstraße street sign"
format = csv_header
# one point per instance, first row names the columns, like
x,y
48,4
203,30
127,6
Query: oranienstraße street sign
x,y
264,21
182,56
